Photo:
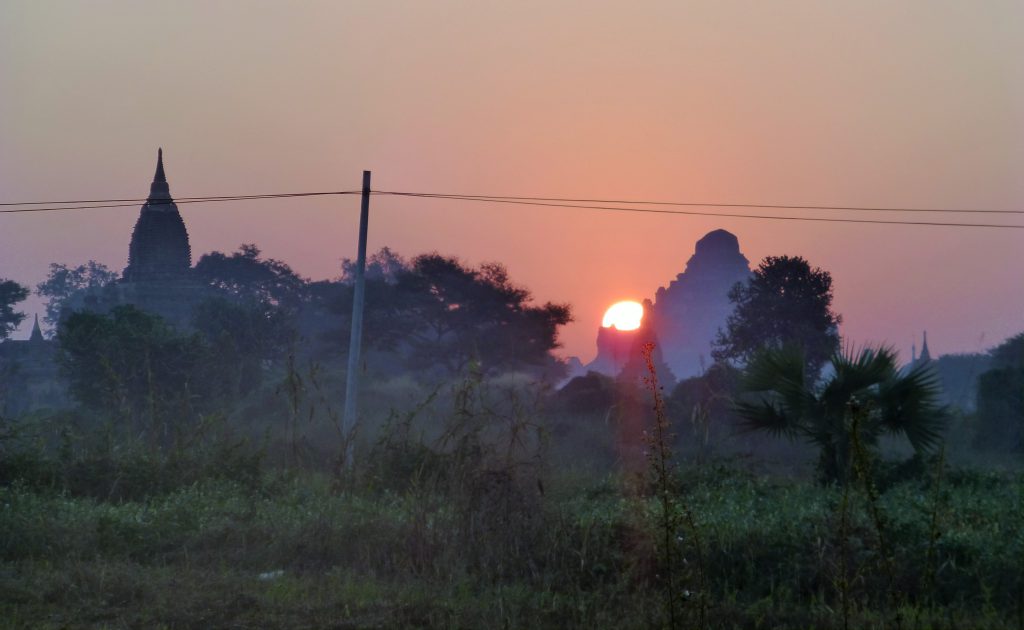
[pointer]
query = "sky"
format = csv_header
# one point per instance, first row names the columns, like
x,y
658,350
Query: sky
x,y
875,103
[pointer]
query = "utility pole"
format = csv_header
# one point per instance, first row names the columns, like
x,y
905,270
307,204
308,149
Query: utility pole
x,y
356,336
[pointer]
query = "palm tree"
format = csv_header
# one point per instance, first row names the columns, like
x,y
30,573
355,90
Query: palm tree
x,y
865,390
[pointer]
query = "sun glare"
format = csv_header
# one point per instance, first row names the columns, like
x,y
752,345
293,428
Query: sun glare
x,y
623,315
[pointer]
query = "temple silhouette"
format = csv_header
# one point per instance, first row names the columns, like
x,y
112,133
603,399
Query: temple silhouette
x,y
158,279
684,317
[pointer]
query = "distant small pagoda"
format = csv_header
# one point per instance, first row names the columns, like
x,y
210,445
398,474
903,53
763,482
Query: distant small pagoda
x,y
925,356
29,374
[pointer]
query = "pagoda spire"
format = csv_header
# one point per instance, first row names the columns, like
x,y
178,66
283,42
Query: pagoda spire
x,y
159,247
160,176
159,189
37,332
925,354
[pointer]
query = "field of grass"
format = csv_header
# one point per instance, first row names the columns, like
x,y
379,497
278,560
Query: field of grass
x,y
473,508
457,539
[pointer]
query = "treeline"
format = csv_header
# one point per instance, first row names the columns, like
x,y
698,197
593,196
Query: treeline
x,y
432,317
255,320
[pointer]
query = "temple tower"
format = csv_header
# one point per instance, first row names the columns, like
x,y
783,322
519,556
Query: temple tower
x,y
159,247
692,308
159,278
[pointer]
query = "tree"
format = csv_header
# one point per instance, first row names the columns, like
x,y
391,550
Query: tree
x,y
434,313
461,314
63,283
246,276
385,321
132,365
865,386
383,266
242,336
707,401
785,302
1010,353
1001,398
10,294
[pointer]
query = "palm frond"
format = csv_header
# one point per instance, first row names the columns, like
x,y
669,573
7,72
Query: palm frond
x,y
909,404
763,415
782,372
856,371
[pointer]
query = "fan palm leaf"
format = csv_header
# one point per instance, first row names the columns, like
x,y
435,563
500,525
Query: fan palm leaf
x,y
866,382
779,377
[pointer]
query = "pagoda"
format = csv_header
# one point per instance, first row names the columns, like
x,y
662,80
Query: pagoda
x,y
159,277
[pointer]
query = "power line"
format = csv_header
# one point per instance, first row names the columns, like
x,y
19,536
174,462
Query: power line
x,y
696,204
583,204
142,199
696,213
518,198
158,202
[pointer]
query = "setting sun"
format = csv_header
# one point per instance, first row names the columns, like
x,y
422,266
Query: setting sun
x,y
623,315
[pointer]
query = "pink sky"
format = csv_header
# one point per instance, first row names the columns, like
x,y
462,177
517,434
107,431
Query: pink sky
x,y
869,103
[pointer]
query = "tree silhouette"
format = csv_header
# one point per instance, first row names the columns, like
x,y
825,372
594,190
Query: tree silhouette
x,y
133,366
461,314
785,302
242,337
10,294
1001,398
245,275
63,283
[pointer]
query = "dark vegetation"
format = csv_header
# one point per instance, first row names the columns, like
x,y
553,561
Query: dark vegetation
x,y
1001,397
10,294
196,483
785,302
865,388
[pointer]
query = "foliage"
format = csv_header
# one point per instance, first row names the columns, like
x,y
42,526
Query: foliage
x,y
10,294
383,266
1010,353
246,276
65,283
133,366
867,383
385,320
440,315
217,546
1001,399
242,337
675,516
461,520
785,302
706,401
464,314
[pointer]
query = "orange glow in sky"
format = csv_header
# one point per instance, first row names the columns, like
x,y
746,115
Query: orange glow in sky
x,y
625,315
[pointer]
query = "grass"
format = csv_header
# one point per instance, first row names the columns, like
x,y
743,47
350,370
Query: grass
x,y
481,518
194,556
